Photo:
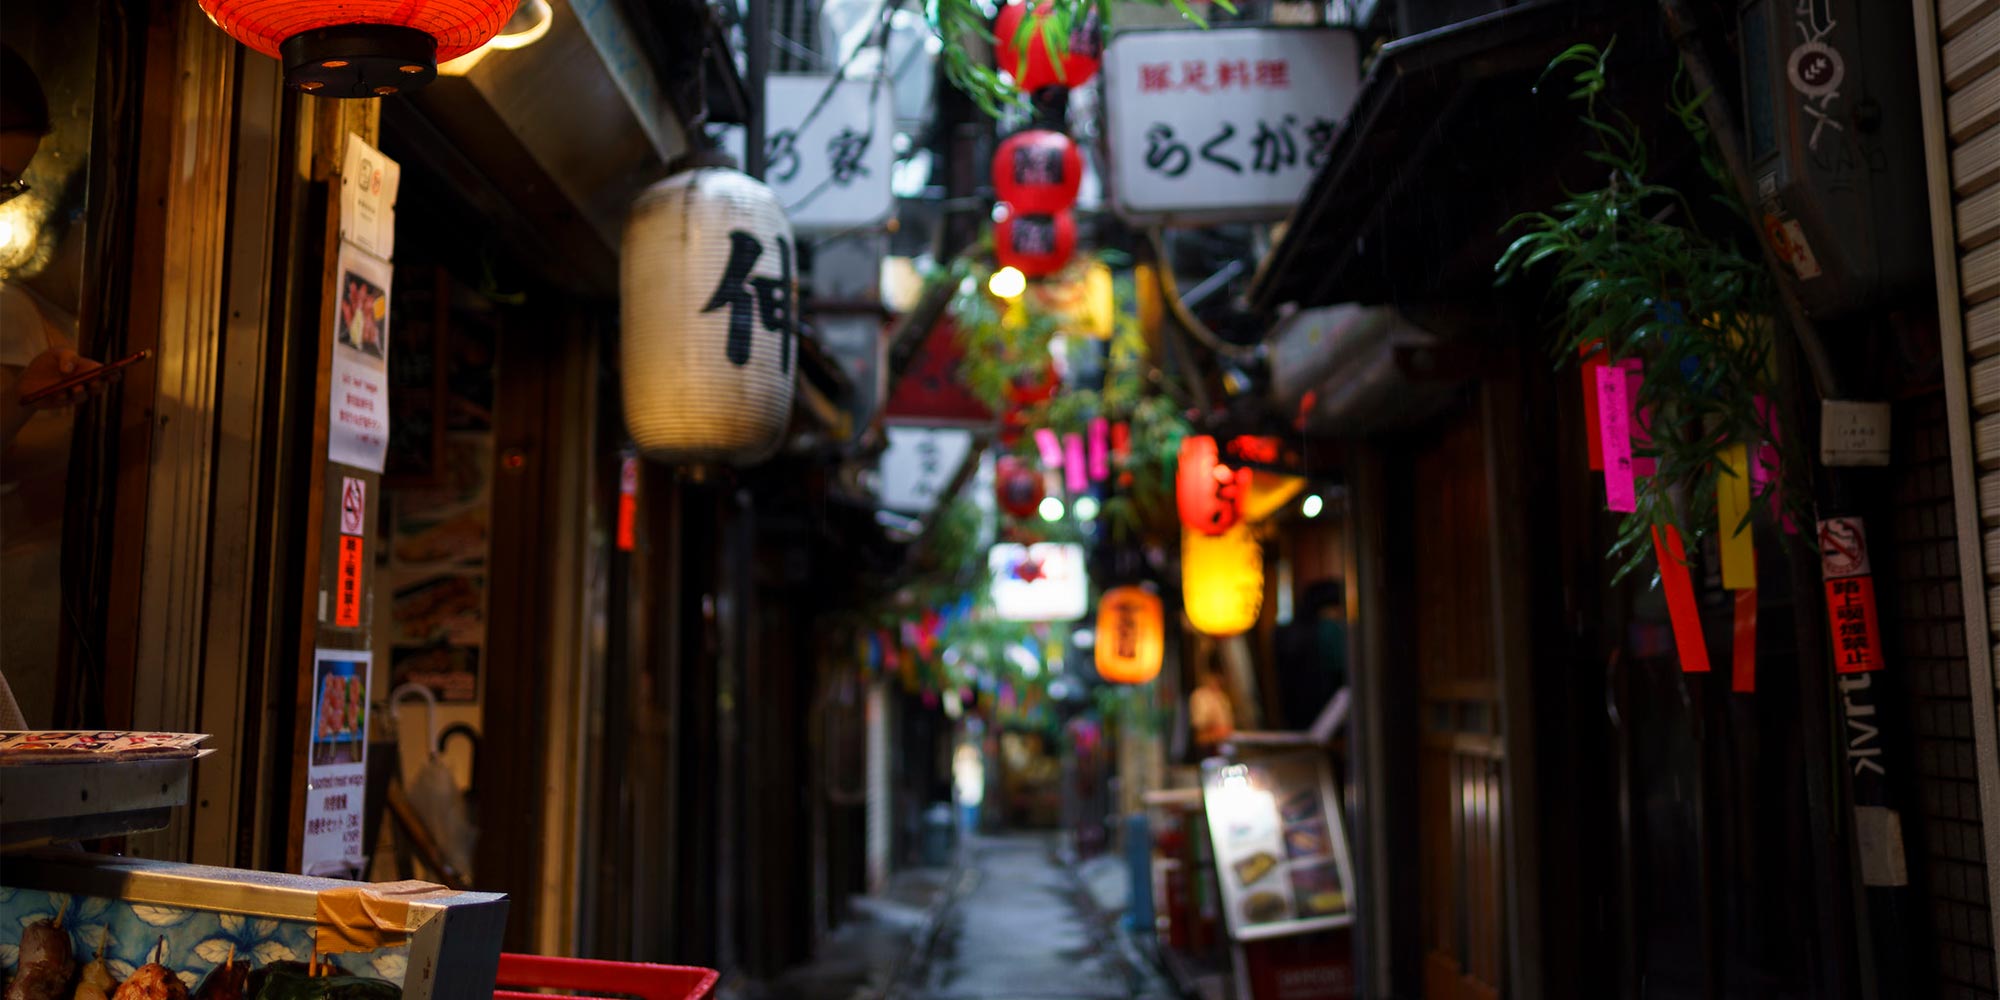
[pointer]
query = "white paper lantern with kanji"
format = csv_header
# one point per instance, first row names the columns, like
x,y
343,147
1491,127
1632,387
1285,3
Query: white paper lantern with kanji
x,y
708,297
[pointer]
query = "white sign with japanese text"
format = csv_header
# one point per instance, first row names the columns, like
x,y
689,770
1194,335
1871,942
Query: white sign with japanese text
x,y
368,183
920,463
1224,124
831,167
1043,582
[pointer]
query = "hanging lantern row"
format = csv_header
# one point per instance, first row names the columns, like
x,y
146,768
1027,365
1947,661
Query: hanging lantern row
x,y
708,300
1131,635
1210,494
1079,64
360,48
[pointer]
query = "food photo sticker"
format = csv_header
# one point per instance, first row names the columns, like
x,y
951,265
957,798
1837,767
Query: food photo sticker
x,y
340,713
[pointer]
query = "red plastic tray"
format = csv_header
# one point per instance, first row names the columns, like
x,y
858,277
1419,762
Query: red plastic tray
x,y
632,979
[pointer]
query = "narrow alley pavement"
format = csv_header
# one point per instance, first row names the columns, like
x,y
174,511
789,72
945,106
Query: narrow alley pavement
x,y
1011,921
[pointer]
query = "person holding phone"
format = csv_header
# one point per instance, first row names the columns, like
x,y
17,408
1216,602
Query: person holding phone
x,y
35,354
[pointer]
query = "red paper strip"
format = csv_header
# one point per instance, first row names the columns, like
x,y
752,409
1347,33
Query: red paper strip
x,y
628,504
1593,359
1743,679
347,585
1850,614
1680,601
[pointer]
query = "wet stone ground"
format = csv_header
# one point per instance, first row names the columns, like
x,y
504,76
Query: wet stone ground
x,y
1011,922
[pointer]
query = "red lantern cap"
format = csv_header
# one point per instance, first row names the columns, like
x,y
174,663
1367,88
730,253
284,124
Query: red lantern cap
x,y
1038,170
360,48
1079,63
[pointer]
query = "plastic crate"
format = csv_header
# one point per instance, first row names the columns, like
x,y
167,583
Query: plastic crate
x,y
631,979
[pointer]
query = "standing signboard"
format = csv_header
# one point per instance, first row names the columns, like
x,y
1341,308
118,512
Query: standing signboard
x,y
1226,124
1280,847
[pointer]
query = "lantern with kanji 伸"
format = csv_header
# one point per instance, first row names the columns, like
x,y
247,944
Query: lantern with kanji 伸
x,y
1079,64
1210,493
1016,486
1131,635
360,48
1222,580
1037,170
707,297
1035,244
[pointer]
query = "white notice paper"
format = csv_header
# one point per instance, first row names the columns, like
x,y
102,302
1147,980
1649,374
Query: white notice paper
x,y
368,182
358,422
337,768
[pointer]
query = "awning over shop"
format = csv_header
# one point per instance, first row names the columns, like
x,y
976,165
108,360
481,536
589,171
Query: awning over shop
x,y
1448,139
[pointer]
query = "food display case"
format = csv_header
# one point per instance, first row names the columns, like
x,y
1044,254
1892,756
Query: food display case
x,y
74,924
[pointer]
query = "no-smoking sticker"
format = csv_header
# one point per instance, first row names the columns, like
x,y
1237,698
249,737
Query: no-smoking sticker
x,y
1843,548
353,505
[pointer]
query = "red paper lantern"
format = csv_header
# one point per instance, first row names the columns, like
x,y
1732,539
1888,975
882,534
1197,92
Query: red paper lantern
x,y
1038,170
1211,494
1018,487
1035,243
360,48
1086,44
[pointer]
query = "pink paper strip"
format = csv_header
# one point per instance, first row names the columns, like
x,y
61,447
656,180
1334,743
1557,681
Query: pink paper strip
x,y
1074,468
1050,447
1764,468
1100,449
1615,432
1642,420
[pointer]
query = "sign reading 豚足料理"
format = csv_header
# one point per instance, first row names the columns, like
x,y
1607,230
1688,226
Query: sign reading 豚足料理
x,y
1224,124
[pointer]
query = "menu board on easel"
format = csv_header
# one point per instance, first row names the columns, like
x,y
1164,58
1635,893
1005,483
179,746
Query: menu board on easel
x,y
1280,848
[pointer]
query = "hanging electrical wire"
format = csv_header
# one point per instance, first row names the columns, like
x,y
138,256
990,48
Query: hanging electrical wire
x,y
1170,291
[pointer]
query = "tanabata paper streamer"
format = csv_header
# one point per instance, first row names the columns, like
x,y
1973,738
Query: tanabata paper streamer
x,y
1620,492
1764,474
1100,449
1050,447
1074,466
1593,362
1732,510
1743,679
1641,419
1680,600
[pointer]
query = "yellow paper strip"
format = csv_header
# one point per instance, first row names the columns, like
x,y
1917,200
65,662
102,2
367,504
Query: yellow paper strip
x,y
1732,504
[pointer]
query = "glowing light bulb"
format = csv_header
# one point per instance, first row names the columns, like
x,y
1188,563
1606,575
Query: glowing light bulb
x,y
1312,505
1008,283
1086,508
1052,509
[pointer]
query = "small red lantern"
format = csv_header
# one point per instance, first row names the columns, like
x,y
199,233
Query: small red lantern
x,y
1086,44
360,48
1035,244
1038,170
1211,494
1018,487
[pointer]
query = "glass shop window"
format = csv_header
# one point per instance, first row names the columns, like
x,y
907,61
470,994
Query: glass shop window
x,y
48,82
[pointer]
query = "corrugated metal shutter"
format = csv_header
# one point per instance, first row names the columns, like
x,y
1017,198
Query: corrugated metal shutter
x,y
1952,701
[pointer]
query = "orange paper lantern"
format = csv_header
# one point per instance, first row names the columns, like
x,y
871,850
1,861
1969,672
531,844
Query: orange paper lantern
x,y
1131,635
1222,580
1211,494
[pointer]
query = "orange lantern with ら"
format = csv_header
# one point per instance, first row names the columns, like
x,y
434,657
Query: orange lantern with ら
x,y
1210,493
1222,580
1130,635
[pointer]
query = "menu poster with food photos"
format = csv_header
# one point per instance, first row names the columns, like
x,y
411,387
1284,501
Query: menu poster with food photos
x,y
437,575
1280,849
337,764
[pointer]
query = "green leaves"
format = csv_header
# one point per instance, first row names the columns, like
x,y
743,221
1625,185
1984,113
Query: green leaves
x,y
1638,279
958,21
